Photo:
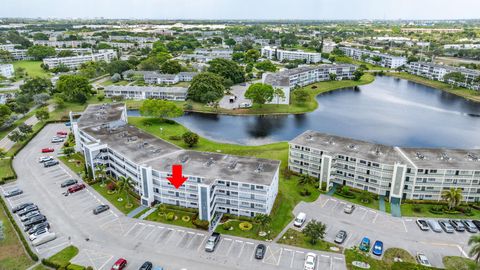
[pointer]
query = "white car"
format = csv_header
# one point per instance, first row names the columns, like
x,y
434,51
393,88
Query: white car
x,y
300,219
310,261
423,260
45,159
57,140
38,233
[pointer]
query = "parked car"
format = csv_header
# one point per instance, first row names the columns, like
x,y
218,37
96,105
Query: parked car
x,y
12,192
212,242
260,251
457,225
48,150
470,226
119,264
44,239
62,133
101,208
423,260
340,237
348,209
365,244
57,140
433,224
310,261
27,210
37,227
422,224
68,183
68,124
377,248
300,219
158,268
50,163
446,226
146,266
36,234
35,220
45,159
476,223
75,188
20,207
29,215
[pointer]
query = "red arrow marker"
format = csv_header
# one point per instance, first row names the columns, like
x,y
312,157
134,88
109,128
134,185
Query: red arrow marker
x,y
177,178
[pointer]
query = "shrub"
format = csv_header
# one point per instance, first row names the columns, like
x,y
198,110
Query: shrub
x,y
185,218
170,216
436,210
226,226
245,226
417,208
75,267
201,224
112,186
305,192
175,138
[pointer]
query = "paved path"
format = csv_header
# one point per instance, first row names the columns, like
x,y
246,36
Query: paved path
x,y
137,210
7,144
146,214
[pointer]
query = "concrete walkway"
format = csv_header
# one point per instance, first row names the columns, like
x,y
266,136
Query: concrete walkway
x,y
381,203
136,211
395,209
146,214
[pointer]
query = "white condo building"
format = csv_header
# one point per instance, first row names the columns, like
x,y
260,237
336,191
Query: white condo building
x,y
394,172
74,62
6,70
146,92
153,77
217,183
386,60
273,53
437,72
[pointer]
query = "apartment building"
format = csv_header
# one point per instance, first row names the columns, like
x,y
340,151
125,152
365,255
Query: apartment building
x,y
273,53
133,39
464,46
129,45
64,44
6,70
215,52
74,62
217,183
160,78
431,30
394,172
385,60
437,72
145,92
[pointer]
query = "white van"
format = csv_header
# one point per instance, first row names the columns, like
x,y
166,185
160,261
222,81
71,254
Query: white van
x,y
300,219
44,238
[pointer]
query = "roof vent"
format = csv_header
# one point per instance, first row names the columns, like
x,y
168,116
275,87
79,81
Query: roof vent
x,y
209,162
259,168
419,156
377,151
473,157
352,146
309,137
444,156
232,165
330,141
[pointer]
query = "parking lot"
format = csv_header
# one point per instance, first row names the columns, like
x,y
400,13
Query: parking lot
x,y
104,238
394,232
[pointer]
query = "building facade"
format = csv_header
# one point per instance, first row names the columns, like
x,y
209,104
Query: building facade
x,y
161,78
6,70
216,183
273,53
145,92
74,62
394,172
385,60
437,72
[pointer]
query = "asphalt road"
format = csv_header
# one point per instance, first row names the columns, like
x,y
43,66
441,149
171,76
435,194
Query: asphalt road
x,y
112,235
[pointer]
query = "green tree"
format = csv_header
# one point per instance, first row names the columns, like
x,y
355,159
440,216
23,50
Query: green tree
x,y
101,172
17,136
252,55
125,184
456,77
377,59
474,252
332,76
301,96
171,67
25,129
453,197
190,138
75,88
266,65
160,108
68,151
35,86
65,53
118,66
39,52
3,153
279,94
5,56
206,87
227,69
260,93
315,230
103,46
5,113
263,221
41,99
42,114
357,75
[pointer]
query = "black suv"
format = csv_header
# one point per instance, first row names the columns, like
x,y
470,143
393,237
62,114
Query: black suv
x,y
101,208
260,251
146,266
68,183
35,220
27,210
20,207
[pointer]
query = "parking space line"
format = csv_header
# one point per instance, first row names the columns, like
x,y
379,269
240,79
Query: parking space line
x,y
375,219
325,203
462,251
293,259
202,243
130,229
280,256
405,226
103,265
50,248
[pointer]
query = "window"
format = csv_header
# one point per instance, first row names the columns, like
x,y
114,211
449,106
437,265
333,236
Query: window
x,y
259,187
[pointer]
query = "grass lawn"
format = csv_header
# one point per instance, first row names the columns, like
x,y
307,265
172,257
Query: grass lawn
x,y
372,204
392,253
296,238
463,92
459,263
32,68
158,216
109,82
64,256
423,211
5,168
236,231
386,263
40,267
12,254
5,131
288,195
113,198
75,162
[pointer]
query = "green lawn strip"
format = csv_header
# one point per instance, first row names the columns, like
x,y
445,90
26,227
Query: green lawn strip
x,y
64,256
6,170
113,198
459,91
178,214
5,131
41,267
32,68
12,253
423,211
289,191
75,162
236,231
459,263
141,213
373,203
392,253
296,238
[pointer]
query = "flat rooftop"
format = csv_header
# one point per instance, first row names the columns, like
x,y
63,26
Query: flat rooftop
x,y
456,159
282,78
101,114
135,88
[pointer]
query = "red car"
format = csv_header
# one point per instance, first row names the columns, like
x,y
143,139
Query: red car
x,y
62,133
76,188
119,264
47,150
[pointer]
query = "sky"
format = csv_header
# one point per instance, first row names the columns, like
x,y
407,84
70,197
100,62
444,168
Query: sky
x,y
243,9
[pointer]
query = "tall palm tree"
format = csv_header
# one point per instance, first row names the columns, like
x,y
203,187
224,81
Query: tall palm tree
x,y
263,221
125,185
474,241
101,172
453,197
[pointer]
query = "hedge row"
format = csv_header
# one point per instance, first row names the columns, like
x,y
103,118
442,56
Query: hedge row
x,y
66,266
30,253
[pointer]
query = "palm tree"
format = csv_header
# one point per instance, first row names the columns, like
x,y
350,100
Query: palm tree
x,y
263,221
101,172
306,180
475,250
279,94
453,197
125,184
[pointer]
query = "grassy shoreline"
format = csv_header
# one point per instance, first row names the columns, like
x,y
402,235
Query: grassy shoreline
x,y
468,94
